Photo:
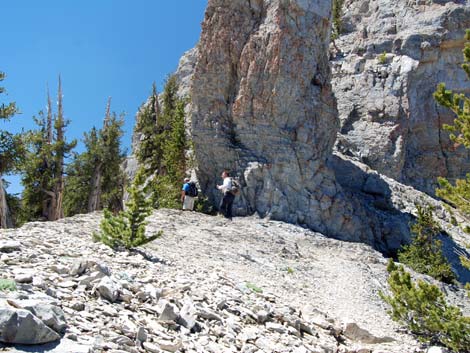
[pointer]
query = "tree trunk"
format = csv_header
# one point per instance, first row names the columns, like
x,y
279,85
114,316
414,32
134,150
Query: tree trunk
x,y
3,206
58,191
50,205
94,200
59,213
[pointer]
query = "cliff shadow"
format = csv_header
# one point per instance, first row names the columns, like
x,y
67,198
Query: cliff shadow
x,y
452,251
376,195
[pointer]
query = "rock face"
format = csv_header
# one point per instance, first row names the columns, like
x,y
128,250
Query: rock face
x,y
185,71
391,57
262,107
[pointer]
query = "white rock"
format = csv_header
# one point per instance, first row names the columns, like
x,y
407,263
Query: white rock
x,y
436,349
168,311
152,348
141,334
9,246
108,289
24,278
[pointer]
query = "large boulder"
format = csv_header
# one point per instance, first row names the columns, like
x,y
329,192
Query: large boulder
x,y
22,327
387,64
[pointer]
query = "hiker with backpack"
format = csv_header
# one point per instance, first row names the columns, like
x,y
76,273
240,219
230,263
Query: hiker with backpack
x,y
188,194
229,188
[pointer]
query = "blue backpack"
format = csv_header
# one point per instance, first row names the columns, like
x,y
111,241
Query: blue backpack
x,y
192,192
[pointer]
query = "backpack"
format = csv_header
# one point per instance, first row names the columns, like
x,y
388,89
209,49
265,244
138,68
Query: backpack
x,y
192,189
235,187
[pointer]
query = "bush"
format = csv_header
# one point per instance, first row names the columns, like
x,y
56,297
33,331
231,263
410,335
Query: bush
x,y
7,285
424,254
337,21
166,192
203,205
423,309
253,287
127,229
382,58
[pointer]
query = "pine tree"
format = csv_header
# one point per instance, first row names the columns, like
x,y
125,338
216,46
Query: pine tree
x,y
176,144
94,178
11,153
458,103
8,110
147,126
43,177
458,194
79,175
424,254
422,307
112,185
127,229
60,150
164,144
172,137
37,172
337,21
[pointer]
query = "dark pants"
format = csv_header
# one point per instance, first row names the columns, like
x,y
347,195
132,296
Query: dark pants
x,y
226,205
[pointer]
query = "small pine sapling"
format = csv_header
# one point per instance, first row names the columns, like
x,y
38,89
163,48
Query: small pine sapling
x,y
382,58
127,229
424,254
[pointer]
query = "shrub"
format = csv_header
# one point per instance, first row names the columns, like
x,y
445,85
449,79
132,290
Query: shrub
x,y
127,229
203,205
254,287
337,21
423,309
7,285
382,58
424,254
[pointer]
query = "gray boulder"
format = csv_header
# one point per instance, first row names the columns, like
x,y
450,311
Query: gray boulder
x,y
51,315
22,327
108,289
168,311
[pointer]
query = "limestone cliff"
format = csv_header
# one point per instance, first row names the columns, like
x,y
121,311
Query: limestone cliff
x,y
391,57
262,107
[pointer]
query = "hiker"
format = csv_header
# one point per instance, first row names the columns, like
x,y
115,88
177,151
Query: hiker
x,y
227,199
188,194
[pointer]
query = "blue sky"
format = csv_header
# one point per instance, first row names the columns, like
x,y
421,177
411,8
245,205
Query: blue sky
x,y
101,48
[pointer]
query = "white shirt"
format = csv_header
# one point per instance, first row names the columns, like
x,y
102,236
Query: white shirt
x,y
227,185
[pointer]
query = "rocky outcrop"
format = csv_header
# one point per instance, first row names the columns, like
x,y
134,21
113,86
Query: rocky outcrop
x,y
185,71
391,196
391,57
262,107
